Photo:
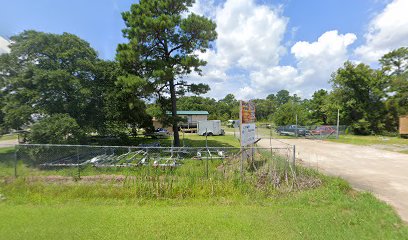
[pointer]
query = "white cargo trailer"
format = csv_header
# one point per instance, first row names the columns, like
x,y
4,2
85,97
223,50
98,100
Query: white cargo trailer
x,y
210,127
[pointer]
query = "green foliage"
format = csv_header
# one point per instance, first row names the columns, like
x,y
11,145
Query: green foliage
x,y
282,97
47,74
359,90
286,114
317,105
102,210
162,48
396,61
56,129
395,64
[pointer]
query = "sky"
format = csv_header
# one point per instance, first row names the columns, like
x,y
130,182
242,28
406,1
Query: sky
x,y
263,46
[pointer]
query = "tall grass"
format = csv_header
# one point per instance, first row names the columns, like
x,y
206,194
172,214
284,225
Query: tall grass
x,y
265,173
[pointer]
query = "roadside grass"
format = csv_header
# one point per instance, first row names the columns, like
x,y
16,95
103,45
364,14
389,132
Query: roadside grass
x,y
370,140
194,140
7,161
183,203
331,211
394,144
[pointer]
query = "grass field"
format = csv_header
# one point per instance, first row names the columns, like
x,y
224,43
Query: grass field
x,y
192,140
8,137
370,140
395,144
332,211
187,205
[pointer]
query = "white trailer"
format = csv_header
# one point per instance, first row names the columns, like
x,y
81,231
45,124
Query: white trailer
x,y
210,127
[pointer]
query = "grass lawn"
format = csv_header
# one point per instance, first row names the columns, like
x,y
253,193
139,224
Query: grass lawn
x,y
194,140
8,137
332,211
187,205
370,140
395,144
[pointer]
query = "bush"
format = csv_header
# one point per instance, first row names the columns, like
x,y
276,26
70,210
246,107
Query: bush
x,y
56,129
362,127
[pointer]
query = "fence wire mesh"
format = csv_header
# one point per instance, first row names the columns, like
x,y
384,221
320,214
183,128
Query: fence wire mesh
x,y
160,168
309,132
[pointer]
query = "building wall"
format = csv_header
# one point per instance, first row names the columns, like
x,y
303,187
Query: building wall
x,y
196,118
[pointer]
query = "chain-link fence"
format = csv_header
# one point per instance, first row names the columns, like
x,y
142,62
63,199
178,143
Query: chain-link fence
x,y
310,132
167,167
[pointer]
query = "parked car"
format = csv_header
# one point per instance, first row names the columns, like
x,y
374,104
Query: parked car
x,y
291,130
323,130
158,133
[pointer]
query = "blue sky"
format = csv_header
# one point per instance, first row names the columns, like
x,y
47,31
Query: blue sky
x,y
293,44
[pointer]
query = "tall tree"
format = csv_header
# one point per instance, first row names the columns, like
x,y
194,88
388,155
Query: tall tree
x,y
229,105
317,107
360,91
396,61
282,97
287,112
46,74
163,48
395,64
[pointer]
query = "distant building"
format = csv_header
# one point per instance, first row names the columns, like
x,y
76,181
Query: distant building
x,y
192,118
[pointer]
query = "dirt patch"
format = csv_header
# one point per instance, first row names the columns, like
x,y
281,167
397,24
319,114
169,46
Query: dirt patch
x,y
115,179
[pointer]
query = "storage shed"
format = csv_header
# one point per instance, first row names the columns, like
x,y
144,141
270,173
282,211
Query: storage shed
x,y
192,117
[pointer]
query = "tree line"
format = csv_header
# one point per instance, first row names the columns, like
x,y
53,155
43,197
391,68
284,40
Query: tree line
x,y
58,87
370,101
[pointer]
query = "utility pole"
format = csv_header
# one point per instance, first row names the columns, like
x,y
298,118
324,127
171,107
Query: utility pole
x,y
296,130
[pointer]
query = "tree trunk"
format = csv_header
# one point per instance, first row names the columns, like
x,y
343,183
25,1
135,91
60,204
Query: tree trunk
x,y
174,114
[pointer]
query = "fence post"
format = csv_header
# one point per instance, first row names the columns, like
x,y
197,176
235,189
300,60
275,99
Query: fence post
x,y
294,157
206,164
77,162
296,129
338,122
15,160
242,163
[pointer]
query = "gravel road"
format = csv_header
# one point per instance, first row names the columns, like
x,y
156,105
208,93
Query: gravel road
x,y
384,173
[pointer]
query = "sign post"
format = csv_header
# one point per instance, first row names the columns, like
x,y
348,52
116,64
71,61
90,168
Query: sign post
x,y
247,127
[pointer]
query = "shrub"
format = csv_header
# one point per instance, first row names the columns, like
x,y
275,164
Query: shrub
x,y
56,129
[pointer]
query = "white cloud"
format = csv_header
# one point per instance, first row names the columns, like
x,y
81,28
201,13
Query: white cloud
x,y
387,31
249,35
249,38
204,7
4,45
250,46
316,61
314,64
274,78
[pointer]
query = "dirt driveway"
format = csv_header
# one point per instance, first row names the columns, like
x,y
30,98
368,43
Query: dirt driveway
x,y
384,173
